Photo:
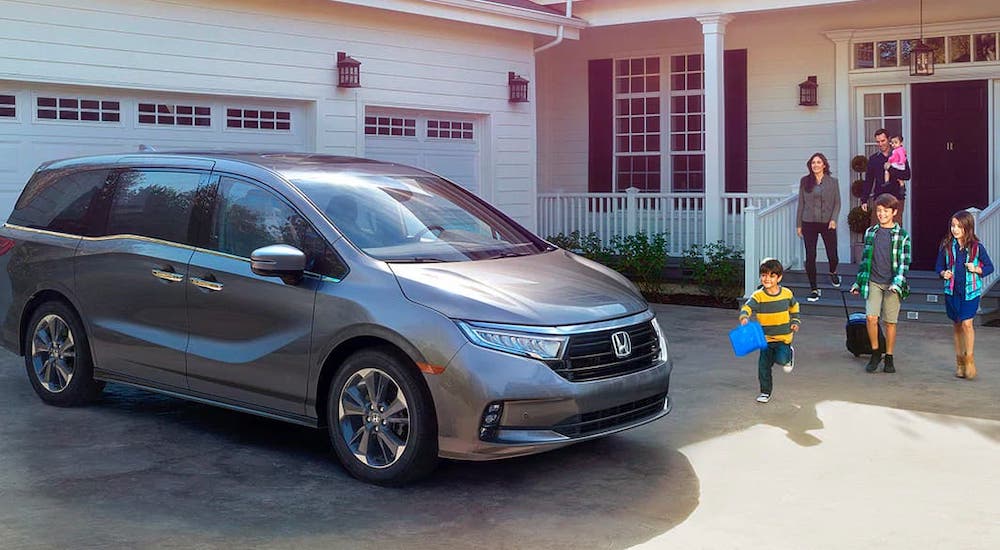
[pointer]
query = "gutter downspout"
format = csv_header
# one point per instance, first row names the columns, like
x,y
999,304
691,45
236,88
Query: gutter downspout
x,y
559,33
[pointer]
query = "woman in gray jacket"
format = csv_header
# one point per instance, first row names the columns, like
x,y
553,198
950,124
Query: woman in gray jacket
x,y
819,206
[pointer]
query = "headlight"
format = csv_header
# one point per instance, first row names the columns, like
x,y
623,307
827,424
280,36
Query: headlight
x,y
662,341
536,346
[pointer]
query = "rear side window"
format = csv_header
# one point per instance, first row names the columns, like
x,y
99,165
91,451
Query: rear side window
x,y
154,204
61,202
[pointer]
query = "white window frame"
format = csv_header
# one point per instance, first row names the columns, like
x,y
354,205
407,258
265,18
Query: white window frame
x,y
863,139
120,123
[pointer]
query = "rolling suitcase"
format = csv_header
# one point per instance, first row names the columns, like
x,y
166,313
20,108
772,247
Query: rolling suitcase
x,y
857,332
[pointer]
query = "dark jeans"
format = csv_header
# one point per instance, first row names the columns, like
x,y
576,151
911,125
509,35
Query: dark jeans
x,y
775,352
810,233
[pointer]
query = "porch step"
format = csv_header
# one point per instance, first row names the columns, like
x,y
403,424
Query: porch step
x,y
924,305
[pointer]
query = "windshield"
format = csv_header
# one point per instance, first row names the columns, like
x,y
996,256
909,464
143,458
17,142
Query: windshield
x,y
416,218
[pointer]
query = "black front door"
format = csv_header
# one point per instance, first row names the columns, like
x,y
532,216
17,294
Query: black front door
x,y
950,160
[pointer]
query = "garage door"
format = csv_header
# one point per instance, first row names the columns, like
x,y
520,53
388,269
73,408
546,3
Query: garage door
x,y
44,123
447,144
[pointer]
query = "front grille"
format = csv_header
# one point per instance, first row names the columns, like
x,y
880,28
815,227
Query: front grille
x,y
608,419
590,355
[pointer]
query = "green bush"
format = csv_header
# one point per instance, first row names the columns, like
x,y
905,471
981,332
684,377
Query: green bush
x,y
858,220
639,257
642,258
588,246
717,268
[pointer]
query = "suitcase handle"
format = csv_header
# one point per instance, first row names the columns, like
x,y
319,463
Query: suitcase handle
x,y
843,298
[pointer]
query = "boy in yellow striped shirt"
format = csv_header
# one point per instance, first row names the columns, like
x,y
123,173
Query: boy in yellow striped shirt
x,y
778,313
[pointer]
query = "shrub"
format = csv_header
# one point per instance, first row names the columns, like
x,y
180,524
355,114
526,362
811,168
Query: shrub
x,y
717,268
858,220
859,163
642,258
858,189
588,246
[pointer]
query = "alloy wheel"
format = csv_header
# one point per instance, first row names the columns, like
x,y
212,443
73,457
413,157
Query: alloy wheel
x,y
374,418
53,353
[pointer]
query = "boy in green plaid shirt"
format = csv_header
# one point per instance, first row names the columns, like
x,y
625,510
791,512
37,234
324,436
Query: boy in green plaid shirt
x,y
882,278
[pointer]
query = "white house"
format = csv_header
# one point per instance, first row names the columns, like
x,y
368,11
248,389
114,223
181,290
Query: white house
x,y
694,103
103,76
698,103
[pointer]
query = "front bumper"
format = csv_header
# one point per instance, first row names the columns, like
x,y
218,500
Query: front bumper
x,y
541,410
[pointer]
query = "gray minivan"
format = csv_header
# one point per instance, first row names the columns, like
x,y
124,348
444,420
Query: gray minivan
x,y
407,316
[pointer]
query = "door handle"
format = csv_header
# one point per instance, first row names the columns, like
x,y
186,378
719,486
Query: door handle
x,y
207,285
168,276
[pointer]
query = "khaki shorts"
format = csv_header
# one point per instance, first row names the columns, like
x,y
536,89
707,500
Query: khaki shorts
x,y
882,302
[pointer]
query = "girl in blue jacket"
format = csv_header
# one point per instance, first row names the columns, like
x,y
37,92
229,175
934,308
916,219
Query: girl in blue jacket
x,y
963,262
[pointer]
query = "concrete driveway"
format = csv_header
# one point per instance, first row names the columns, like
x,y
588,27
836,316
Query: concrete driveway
x,y
838,459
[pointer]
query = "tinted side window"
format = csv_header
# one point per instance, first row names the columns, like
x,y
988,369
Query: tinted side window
x,y
154,204
60,202
248,217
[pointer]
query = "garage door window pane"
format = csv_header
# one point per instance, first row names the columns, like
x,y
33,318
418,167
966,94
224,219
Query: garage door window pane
x,y
391,126
165,115
154,204
8,106
450,129
76,109
258,119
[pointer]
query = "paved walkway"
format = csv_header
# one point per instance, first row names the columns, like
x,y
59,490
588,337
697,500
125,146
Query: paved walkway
x,y
838,459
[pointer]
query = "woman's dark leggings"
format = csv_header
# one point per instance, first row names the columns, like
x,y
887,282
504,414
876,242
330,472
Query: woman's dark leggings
x,y
810,232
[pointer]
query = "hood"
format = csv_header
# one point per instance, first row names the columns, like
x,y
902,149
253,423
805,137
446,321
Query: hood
x,y
548,289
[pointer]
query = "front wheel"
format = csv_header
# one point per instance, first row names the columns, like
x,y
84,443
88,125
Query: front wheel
x,y
381,419
57,357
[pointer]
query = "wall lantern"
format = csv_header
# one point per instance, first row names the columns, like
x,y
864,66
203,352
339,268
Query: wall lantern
x,y
807,92
348,71
518,88
922,55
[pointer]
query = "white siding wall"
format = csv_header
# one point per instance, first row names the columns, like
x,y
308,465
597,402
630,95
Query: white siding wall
x,y
288,50
783,48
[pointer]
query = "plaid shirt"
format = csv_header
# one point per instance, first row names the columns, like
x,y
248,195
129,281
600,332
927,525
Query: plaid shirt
x,y
900,254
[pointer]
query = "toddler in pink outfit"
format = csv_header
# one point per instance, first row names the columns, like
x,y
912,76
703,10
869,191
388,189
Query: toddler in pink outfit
x,y
897,159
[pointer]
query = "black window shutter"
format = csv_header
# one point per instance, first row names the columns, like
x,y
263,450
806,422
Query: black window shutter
x,y
735,89
601,105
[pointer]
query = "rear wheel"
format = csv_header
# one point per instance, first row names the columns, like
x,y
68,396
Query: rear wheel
x,y
381,419
57,357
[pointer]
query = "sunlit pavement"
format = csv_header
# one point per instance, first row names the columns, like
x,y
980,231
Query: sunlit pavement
x,y
838,459
869,477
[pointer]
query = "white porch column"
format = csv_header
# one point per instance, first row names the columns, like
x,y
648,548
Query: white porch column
x,y
713,27
842,118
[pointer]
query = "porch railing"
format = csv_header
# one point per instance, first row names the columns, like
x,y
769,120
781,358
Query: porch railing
x,y
680,215
769,232
988,231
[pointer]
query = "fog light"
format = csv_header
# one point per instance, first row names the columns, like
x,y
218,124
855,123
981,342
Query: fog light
x,y
491,421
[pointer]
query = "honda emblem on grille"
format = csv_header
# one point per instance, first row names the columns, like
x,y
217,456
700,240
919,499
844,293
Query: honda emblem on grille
x,y
622,344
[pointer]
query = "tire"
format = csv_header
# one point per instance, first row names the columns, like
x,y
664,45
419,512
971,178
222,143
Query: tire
x,y
57,357
381,419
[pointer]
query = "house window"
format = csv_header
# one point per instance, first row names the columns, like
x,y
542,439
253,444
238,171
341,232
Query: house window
x,y
637,123
8,106
687,123
77,109
881,110
894,53
175,115
262,119
393,126
449,129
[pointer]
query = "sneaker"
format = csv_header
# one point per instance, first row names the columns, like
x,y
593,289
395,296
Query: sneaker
x,y
835,280
889,366
763,398
791,360
872,365
814,295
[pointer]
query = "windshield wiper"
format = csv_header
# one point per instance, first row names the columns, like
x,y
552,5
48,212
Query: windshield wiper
x,y
509,255
415,260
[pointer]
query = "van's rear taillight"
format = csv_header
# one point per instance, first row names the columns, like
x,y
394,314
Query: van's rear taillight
x,y
5,245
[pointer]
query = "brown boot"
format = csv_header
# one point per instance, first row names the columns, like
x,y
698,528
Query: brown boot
x,y
960,365
970,366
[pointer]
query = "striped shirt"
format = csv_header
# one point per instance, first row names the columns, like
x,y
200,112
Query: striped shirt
x,y
776,314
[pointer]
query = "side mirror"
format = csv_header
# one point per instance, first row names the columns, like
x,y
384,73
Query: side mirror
x,y
279,260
